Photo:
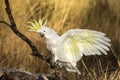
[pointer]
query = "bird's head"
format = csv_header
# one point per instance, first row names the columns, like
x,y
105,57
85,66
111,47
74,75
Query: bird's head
x,y
39,26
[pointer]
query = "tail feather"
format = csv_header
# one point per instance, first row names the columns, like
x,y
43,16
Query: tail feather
x,y
72,68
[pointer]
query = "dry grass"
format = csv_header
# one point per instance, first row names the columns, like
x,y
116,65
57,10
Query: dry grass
x,y
102,15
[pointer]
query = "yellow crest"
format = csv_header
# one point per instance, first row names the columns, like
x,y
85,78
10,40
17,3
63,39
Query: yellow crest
x,y
36,25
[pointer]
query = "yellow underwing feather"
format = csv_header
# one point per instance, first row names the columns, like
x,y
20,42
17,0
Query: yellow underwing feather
x,y
79,42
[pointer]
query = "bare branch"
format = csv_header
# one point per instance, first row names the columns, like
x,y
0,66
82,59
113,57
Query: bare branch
x,y
5,23
13,26
35,53
8,10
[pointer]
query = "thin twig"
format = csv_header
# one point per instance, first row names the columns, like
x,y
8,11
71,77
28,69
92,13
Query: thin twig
x,y
87,70
5,23
115,55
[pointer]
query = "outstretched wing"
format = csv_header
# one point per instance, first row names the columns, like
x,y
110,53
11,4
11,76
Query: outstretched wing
x,y
79,42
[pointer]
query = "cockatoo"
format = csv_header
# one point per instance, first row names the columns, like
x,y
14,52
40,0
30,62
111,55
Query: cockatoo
x,y
69,48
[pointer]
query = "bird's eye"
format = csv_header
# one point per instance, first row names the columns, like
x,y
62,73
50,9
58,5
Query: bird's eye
x,y
44,31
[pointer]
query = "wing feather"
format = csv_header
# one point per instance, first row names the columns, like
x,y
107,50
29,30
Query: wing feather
x,y
79,42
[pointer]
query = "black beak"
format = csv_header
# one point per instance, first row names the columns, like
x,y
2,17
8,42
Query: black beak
x,y
42,35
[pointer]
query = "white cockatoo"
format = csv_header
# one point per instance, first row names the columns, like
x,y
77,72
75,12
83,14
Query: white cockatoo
x,y
69,48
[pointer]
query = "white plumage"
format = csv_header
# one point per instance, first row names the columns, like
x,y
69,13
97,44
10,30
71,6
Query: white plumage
x,y
69,48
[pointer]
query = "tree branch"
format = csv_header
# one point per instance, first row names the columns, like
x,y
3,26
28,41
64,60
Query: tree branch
x,y
35,53
13,26
5,23
14,29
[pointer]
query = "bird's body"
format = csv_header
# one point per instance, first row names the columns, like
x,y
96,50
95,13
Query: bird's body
x,y
69,48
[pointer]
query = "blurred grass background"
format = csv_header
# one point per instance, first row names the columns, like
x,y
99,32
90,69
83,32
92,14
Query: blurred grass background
x,y
101,15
